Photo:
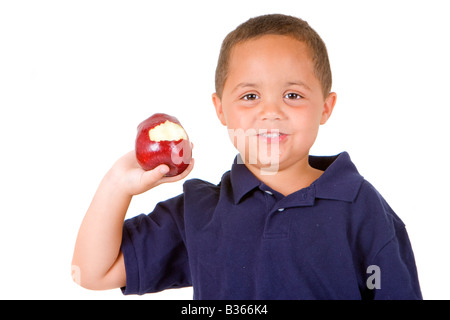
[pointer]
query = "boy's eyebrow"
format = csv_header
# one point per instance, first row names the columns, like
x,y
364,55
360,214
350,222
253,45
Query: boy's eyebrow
x,y
243,85
299,83
291,83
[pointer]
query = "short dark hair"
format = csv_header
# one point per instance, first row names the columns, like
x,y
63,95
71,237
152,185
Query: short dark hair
x,y
277,24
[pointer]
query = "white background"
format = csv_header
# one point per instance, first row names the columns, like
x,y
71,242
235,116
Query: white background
x,y
77,77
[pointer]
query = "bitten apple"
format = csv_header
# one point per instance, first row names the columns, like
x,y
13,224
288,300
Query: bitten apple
x,y
162,140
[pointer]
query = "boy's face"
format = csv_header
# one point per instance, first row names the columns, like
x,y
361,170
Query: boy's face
x,y
272,102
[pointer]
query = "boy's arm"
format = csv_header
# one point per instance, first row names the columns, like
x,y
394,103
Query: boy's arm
x,y
97,260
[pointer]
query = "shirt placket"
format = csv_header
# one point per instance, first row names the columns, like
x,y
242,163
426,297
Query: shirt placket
x,y
282,211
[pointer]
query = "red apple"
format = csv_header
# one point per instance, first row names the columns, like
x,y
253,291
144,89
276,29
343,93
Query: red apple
x,y
162,140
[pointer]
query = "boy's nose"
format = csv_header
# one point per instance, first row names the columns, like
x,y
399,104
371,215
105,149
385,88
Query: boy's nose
x,y
271,111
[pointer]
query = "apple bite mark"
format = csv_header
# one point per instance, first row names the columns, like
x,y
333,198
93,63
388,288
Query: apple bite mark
x,y
167,131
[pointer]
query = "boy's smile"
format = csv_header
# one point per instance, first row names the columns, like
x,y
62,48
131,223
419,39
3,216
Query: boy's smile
x,y
272,93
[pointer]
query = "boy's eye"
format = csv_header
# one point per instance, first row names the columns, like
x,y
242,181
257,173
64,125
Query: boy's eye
x,y
293,96
250,97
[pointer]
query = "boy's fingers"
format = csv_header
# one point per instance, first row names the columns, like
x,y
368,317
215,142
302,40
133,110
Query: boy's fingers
x,y
152,177
155,177
181,175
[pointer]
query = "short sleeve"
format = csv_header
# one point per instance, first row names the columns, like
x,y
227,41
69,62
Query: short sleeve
x,y
385,249
154,249
398,273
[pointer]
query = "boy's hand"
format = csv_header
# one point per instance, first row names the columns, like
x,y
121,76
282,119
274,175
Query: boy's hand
x,y
133,180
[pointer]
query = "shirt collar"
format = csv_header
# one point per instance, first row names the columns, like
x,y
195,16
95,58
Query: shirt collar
x,y
340,180
242,180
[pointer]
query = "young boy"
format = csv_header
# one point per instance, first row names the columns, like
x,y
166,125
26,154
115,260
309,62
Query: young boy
x,y
281,224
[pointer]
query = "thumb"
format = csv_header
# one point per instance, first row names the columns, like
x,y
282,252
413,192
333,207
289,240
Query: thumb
x,y
152,178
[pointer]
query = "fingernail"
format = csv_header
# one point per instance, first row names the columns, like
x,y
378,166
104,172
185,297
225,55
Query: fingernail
x,y
164,169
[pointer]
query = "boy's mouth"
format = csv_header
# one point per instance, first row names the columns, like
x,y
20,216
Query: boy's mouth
x,y
271,136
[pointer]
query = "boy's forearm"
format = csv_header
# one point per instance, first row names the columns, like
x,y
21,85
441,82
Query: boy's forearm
x,y
97,261
98,243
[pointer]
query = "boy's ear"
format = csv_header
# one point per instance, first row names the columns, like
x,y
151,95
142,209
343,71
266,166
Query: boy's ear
x,y
219,110
328,107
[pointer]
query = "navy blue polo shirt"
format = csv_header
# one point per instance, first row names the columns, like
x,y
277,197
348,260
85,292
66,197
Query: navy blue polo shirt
x,y
336,239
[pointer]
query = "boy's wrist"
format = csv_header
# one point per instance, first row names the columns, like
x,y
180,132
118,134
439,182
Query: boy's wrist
x,y
113,181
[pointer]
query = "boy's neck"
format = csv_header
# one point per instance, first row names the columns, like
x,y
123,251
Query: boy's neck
x,y
290,179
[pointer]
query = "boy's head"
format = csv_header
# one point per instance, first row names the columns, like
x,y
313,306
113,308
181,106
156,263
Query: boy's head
x,y
276,24
273,83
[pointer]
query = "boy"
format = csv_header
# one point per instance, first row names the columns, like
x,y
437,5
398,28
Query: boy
x,y
281,224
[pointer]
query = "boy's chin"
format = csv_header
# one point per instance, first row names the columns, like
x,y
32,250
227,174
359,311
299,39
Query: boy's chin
x,y
269,170
263,166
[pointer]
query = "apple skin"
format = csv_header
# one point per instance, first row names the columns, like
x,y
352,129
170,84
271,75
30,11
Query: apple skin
x,y
176,154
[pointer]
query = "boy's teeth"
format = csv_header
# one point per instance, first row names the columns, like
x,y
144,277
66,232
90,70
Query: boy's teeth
x,y
270,135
